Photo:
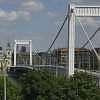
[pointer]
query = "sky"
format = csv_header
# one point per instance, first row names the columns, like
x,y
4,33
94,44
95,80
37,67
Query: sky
x,y
30,19
36,20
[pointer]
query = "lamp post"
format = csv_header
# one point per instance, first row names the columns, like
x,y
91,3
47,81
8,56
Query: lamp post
x,y
3,66
5,87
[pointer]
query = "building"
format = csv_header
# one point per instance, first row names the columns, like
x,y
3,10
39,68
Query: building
x,y
61,56
8,54
38,58
95,62
5,57
82,57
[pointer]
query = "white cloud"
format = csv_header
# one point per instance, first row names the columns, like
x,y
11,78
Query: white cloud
x,y
53,14
32,6
24,14
24,10
13,15
9,16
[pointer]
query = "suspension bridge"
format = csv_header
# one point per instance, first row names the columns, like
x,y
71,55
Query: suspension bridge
x,y
50,59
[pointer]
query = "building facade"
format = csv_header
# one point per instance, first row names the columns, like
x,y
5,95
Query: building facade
x,y
82,57
5,57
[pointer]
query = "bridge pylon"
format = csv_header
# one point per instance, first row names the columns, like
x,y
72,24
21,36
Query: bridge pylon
x,y
77,11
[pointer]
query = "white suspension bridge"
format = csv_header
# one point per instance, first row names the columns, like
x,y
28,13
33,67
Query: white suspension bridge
x,y
74,11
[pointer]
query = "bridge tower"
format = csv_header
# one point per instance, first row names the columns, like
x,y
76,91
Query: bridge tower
x,y
74,12
25,48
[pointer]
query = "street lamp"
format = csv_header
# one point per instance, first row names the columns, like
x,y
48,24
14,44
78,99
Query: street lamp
x,y
3,66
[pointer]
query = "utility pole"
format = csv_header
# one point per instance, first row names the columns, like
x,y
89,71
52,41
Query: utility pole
x,y
3,64
5,94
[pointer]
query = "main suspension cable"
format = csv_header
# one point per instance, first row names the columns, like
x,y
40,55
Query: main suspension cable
x,y
59,31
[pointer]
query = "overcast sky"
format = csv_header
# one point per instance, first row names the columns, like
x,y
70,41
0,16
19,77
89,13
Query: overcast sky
x,y
37,20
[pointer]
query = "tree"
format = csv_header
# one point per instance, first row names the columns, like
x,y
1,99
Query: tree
x,y
82,86
42,85
13,91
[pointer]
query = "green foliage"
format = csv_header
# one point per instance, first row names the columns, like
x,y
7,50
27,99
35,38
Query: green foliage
x,y
1,88
13,92
42,85
82,87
